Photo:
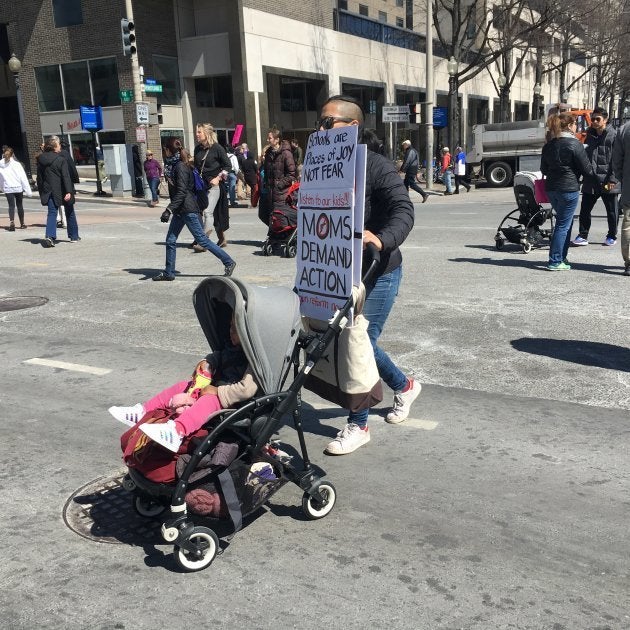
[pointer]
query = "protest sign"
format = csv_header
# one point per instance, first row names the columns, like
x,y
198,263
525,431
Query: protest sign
x,y
326,222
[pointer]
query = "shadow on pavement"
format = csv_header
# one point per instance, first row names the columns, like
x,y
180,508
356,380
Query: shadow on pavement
x,y
615,269
603,355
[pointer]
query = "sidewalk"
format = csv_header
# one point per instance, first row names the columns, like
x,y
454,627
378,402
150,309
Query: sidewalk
x,y
86,189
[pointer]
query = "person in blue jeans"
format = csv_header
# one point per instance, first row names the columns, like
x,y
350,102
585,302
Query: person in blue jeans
x,y
563,162
388,220
184,208
56,190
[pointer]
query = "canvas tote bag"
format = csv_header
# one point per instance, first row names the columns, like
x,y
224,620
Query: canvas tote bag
x,y
347,374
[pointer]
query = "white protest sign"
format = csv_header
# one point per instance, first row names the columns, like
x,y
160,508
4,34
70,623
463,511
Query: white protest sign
x,y
359,212
326,222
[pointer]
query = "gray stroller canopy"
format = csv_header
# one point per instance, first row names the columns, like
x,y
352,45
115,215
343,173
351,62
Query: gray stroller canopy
x,y
267,321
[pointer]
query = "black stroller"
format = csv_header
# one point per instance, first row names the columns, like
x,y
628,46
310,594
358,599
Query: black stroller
x,y
523,226
282,234
255,473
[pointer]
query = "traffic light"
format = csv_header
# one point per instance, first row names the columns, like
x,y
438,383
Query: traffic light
x,y
127,30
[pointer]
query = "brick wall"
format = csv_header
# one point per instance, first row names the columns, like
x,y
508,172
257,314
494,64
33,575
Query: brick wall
x,y
36,41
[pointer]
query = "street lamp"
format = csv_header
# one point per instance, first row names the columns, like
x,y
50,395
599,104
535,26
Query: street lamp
x,y
536,104
15,65
453,106
503,89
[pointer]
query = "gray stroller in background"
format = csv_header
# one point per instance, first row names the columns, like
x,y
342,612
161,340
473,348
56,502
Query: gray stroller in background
x,y
269,326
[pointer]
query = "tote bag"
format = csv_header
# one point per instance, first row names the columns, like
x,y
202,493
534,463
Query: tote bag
x,y
540,191
347,374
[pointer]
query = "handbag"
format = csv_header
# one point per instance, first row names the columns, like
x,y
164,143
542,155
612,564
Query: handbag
x,y
540,191
347,374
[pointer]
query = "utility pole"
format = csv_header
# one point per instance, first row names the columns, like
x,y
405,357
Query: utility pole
x,y
430,94
137,98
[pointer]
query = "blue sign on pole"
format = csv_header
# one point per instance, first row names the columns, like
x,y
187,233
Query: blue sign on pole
x,y
440,117
91,117
150,82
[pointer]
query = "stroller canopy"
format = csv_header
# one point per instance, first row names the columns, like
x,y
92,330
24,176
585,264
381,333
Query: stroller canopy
x,y
267,320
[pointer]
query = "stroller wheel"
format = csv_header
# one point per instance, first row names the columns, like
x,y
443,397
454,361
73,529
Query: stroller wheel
x,y
128,483
315,509
198,551
291,251
499,243
267,249
147,508
527,247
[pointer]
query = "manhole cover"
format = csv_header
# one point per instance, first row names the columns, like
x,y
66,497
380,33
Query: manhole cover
x,y
18,303
102,511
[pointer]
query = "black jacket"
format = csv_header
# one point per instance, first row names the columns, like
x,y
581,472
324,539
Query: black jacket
x,y
53,178
562,162
182,191
280,172
216,161
389,213
410,162
599,149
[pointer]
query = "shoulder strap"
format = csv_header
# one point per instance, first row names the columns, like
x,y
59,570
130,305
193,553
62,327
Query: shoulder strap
x,y
204,160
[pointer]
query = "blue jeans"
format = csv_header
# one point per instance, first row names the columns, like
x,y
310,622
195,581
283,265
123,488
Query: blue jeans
x,y
154,184
564,204
380,298
191,221
71,220
447,177
231,186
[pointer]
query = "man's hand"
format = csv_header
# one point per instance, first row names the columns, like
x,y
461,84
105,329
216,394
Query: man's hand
x,y
67,197
369,237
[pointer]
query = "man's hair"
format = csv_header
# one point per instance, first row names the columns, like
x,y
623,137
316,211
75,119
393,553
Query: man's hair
x,y
599,111
406,142
275,132
51,143
354,107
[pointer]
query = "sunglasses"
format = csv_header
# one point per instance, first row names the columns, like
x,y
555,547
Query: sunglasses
x,y
328,122
596,119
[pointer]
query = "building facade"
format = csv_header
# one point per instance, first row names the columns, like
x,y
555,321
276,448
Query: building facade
x,y
243,65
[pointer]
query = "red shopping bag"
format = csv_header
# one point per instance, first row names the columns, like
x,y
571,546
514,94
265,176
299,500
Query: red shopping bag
x,y
540,192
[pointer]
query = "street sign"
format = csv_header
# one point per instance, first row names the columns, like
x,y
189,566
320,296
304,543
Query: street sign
x,y
91,117
152,88
141,134
142,113
150,81
440,117
126,96
395,113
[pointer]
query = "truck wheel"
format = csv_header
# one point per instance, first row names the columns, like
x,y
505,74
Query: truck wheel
x,y
499,174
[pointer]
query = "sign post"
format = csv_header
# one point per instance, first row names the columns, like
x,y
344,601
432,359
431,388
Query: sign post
x,y
92,121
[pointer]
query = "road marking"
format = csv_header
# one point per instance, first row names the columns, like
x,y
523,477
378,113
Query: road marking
x,y
73,367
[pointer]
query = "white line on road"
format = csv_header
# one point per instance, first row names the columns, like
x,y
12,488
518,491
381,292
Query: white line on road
x,y
73,367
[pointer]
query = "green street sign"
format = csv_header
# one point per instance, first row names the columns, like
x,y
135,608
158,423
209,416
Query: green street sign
x,y
126,96
153,88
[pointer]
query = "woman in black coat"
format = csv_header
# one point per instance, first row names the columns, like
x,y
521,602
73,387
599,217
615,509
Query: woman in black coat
x,y
183,206
55,188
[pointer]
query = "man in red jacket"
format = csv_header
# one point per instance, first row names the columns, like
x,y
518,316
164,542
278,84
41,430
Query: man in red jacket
x,y
388,220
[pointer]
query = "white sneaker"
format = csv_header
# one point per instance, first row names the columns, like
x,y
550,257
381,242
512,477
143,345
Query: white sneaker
x,y
164,434
349,439
128,415
402,403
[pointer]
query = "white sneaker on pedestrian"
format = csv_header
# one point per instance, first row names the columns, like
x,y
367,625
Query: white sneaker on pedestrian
x,y
349,439
402,402
128,415
164,434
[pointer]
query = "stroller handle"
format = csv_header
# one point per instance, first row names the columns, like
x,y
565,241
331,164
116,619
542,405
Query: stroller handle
x,y
375,257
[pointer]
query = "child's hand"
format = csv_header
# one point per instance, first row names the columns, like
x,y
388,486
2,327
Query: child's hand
x,y
209,389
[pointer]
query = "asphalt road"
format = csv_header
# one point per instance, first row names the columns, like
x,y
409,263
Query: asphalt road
x,y
501,503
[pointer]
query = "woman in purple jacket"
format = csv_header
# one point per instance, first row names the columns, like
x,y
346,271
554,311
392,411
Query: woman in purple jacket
x,y
153,171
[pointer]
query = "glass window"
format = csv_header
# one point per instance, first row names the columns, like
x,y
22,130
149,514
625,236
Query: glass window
x,y
104,76
76,84
363,10
400,22
67,12
399,3
166,73
214,92
343,5
49,93
382,17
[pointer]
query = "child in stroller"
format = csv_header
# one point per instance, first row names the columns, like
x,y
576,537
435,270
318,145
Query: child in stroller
x,y
220,381
232,459
282,232
523,226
